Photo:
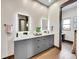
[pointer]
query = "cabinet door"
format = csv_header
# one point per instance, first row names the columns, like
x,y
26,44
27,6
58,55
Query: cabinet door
x,y
51,41
36,45
20,50
31,47
39,44
45,42
24,49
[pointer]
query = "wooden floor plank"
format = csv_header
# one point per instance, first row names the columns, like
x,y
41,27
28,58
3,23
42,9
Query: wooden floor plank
x,y
55,53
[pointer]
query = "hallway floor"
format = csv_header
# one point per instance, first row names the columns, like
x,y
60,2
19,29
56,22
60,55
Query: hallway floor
x,y
66,52
54,53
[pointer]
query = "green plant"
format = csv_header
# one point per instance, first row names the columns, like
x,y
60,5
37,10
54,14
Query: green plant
x,y
38,29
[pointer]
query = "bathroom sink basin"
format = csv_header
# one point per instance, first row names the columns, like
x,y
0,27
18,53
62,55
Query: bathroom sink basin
x,y
37,34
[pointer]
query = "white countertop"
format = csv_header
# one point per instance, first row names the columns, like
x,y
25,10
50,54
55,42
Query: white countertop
x,y
24,37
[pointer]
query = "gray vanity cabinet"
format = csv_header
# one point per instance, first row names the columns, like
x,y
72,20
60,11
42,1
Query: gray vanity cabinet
x,y
24,49
45,43
39,44
48,41
51,41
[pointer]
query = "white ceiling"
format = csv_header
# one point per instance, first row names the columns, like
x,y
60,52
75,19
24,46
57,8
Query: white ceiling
x,y
69,6
46,2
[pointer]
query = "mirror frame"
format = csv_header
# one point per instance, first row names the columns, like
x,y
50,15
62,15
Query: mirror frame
x,y
17,22
47,21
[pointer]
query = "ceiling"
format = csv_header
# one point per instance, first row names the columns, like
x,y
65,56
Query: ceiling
x,y
70,6
46,2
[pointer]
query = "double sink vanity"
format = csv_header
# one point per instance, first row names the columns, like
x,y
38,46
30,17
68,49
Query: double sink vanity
x,y
30,45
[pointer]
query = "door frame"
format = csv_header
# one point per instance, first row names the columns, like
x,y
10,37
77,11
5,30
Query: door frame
x,y
60,19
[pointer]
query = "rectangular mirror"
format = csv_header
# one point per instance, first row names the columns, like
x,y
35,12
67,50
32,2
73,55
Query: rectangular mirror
x,y
23,22
44,22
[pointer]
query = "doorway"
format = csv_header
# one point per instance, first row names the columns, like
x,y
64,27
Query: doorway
x,y
68,26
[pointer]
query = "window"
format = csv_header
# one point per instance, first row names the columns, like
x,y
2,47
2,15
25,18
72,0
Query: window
x,y
66,24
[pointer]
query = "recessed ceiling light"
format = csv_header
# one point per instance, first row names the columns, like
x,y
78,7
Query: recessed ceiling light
x,y
25,1
42,7
35,4
49,0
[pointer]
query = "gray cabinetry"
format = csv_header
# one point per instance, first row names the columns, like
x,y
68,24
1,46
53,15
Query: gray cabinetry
x,y
39,44
24,49
27,48
51,41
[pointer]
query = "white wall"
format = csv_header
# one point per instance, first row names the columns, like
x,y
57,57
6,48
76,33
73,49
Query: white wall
x,y
9,9
54,21
53,16
36,11
72,12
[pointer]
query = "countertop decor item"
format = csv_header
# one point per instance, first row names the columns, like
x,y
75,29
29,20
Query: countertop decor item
x,y
38,29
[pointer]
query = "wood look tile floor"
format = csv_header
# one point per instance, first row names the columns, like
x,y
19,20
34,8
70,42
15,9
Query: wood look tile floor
x,y
66,52
54,53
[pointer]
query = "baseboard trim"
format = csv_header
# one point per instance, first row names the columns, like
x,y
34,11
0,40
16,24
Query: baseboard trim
x,y
9,57
68,41
57,47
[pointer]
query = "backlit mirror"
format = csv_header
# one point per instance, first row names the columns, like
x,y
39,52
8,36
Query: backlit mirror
x,y
44,22
23,22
